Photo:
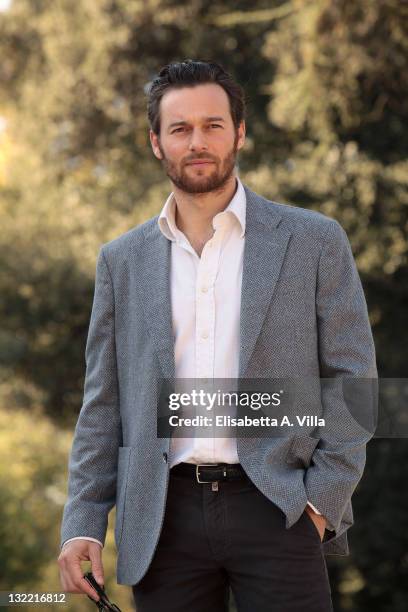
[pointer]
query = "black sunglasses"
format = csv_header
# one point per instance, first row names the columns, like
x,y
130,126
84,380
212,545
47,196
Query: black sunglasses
x,y
103,603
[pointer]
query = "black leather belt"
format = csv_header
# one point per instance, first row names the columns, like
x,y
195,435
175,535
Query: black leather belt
x,y
210,472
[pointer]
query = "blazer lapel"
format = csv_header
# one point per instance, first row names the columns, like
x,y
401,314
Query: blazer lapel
x,y
156,299
265,247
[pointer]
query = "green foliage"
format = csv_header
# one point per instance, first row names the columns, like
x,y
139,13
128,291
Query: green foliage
x,y
327,128
30,482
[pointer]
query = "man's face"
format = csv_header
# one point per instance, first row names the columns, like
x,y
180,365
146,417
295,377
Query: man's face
x,y
198,142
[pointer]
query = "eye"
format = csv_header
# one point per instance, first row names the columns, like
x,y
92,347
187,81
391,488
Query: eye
x,y
216,125
177,130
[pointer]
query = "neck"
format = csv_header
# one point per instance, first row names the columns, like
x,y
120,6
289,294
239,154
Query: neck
x,y
195,211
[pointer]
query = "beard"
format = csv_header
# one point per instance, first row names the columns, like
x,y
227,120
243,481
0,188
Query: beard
x,y
201,184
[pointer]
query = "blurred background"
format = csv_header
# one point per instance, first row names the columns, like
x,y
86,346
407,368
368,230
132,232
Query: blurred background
x,y
327,89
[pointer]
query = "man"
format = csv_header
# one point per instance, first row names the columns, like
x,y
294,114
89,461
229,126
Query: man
x,y
223,284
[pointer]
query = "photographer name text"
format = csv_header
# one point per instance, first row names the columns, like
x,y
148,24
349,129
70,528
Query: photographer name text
x,y
246,421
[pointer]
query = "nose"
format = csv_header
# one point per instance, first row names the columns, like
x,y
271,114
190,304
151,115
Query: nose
x,y
197,141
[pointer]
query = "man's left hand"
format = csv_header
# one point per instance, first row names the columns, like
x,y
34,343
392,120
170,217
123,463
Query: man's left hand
x,y
318,520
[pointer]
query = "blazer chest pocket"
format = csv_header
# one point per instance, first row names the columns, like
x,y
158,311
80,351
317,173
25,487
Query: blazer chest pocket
x,y
301,450
121,486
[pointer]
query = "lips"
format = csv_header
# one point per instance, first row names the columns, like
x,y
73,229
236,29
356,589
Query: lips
x,y
200,162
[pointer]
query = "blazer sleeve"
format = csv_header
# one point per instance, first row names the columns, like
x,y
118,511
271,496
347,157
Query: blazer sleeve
x,y
348,380
98,435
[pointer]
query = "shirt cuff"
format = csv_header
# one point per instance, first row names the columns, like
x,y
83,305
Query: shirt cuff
x,y
315,510
82,538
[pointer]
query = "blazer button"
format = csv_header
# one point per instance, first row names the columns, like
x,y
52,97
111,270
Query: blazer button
x,y
165,457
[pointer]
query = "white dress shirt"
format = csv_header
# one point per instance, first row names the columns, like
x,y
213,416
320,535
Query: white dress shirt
x,y
206,304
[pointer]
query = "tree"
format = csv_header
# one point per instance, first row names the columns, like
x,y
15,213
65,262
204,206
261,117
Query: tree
x,y
326,85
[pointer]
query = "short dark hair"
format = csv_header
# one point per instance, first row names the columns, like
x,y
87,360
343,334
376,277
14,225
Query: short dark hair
x,y
190,73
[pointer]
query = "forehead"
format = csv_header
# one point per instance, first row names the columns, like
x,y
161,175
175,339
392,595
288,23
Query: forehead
x,y
194,103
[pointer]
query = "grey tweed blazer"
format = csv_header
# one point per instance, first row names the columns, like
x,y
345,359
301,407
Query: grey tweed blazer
x,y
303,313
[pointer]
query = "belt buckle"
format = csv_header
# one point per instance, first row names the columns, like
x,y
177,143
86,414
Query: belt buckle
x,y
197,474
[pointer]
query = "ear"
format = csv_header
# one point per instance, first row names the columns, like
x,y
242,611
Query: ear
x,y
241,135
154,140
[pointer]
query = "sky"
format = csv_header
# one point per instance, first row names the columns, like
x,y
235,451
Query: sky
x,y
4,5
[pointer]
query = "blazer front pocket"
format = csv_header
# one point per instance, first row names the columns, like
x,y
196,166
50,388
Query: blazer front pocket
x,y
121,486
301,450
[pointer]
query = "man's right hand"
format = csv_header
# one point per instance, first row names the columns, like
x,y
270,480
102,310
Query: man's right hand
x,y
71,574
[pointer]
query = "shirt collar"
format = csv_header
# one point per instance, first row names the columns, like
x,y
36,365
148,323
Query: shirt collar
x,y
237,206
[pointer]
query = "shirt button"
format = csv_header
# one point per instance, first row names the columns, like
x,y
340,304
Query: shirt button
x,y
204,335
204,289
165,457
